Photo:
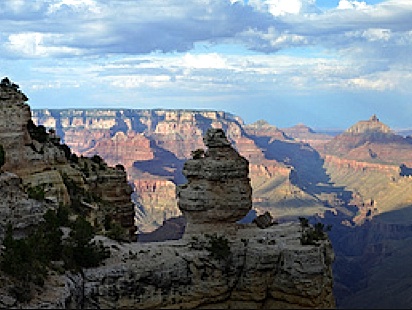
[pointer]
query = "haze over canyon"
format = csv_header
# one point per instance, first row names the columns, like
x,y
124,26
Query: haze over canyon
x,y
358,180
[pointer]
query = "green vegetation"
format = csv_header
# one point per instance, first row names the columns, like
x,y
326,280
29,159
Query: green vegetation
x,y
79,251
37,133
36,192
120,167
29,260
2,156
78,194
67,151
74,158
218,246
311,235
99,161
116,231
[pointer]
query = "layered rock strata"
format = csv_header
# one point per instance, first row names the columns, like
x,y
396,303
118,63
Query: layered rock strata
x,y
152,145
264,269
218,188
46,166
233,267
16,208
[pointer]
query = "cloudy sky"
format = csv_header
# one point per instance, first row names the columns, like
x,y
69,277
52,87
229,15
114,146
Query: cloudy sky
x,y
325,63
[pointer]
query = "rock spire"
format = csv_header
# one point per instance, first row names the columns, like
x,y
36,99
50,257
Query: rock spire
x,y
218,189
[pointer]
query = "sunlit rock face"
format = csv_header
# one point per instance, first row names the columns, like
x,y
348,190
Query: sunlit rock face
x,y
40,161
219,264
218,188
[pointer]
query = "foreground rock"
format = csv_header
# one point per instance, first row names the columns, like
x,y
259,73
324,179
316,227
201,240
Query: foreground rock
x,y
264,269
229,266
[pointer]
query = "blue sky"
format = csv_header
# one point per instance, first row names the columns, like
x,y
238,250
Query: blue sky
x,y
325,63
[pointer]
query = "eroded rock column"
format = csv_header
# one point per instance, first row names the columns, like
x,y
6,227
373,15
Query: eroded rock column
x,y
218,192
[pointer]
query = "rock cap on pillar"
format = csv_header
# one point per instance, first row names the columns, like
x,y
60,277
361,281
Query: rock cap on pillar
x,y
218,192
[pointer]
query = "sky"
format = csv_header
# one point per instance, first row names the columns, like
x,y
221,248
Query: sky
x,y
324,63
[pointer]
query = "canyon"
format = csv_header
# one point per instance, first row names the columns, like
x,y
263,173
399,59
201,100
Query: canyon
x,y
239,266
357,180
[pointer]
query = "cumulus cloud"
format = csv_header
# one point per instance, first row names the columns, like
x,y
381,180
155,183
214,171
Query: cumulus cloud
x,y
149,43
97,27
347,4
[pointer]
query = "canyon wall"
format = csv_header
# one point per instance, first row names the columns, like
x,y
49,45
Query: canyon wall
x,y
50,173
264,269
152,146
226,266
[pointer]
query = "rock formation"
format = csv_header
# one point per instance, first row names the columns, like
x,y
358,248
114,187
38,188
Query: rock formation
x,y
218,188
371,141
46,166
152,146
16,208
236,266
263,269
306,134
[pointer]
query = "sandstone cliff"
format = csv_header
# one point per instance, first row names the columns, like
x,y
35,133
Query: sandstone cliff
x,y
229,266
49,171
153,144
265,269
371,141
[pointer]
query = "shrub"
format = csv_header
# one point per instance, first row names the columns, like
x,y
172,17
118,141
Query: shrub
x,y
304,222
66,150
28,259
36,192
37,133
313,234
116,231
80,251
97,159
120,167
74,158
218,247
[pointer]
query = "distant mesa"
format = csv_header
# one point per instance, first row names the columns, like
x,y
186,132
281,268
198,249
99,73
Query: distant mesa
x,y
371,141
371,125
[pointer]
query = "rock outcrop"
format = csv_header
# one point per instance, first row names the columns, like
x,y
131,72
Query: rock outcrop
x,y
218,188
371,141
16,208
47,167
235,266
263,269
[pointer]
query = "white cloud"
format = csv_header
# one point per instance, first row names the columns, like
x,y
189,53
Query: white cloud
x,y
347,4
124,45
79,6
204,61
36,44
282,7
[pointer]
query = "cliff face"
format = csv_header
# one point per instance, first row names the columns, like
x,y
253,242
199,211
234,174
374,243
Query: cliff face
x,y
16,208
232,266
152,145
47,167
264,269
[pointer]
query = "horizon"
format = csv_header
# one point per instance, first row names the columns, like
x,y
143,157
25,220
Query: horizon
x,y
332,130
326,64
